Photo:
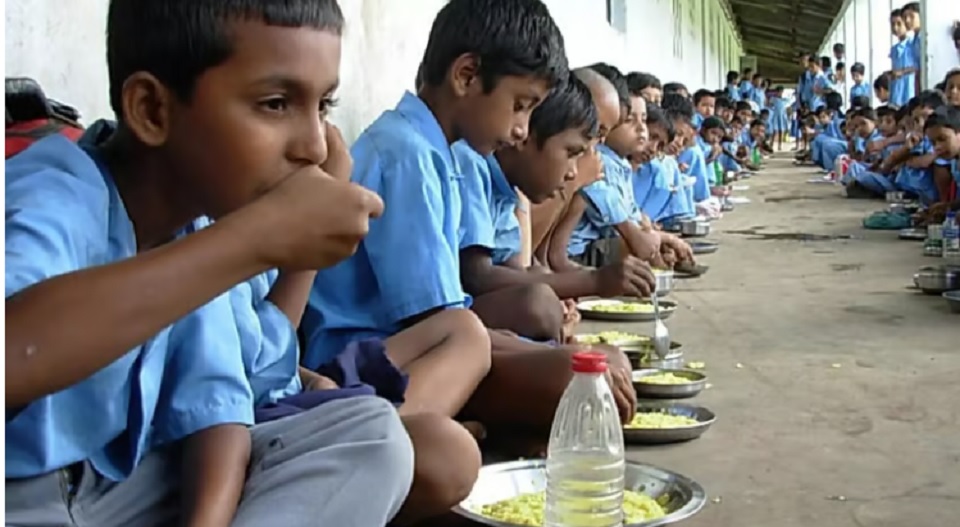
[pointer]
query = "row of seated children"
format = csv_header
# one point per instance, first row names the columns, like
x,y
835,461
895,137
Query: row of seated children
x,y
158,273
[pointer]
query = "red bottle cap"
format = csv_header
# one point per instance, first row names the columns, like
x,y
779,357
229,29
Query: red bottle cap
x,y
589,362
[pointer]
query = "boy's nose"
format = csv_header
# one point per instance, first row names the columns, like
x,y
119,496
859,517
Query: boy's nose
x,y
309,147
520,131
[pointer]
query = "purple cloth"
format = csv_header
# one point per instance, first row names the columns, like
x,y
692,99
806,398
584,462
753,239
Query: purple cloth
x,y
361,369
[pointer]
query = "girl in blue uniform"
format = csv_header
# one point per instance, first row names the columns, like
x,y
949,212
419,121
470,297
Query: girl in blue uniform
x,y
779,125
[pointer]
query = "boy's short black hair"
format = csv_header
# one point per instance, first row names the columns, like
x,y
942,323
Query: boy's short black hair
x,y
950,74
896,13
569,106
940,86
826,62
946,116
723,102
657,117
757,75
736,120
765,111
866,113
711,123
833,100
886,111
619,82
882,82
677,107
732,76
860,101
743,106
841,66
931,99
757,122
902,113
639,81
913,7
176,41
821,110
858,68
509,37
839,47
747,72
674,87
778,88
703,94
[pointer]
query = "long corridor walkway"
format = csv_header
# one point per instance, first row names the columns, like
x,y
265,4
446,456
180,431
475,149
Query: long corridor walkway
x,y
836,388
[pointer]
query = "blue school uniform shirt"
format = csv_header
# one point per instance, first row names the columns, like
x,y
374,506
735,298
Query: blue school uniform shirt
x,y
697,120
610,202
733,93
706,149
63,214
697,167
822,82
489,205
409,261
860,90
746,90
903,55
653,180
268,340
805,89
758,96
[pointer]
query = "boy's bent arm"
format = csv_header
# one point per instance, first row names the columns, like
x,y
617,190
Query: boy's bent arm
x,y
290,293
103,312
480,275
214,472
557,255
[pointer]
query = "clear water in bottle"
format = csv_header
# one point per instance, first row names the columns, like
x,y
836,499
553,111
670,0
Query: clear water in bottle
x,y
951,239
585,463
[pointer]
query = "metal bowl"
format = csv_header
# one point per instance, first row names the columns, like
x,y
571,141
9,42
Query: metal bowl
x,y
937,280
913,234
664,282
694,228
903,208
896,197
642,356
680,496
704,247
932,251
666,309
953,300
659,436
698,381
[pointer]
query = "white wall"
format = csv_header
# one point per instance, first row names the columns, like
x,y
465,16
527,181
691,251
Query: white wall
x,y
61,44
941,53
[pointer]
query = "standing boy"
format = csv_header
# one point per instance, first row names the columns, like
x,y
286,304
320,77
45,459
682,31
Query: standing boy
x,y
904,61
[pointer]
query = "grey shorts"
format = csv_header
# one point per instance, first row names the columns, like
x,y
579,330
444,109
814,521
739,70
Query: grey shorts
x,y
347,463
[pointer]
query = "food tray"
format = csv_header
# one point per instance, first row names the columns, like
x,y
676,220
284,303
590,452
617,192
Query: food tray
x,y
680,496
586,311
698,381
659,436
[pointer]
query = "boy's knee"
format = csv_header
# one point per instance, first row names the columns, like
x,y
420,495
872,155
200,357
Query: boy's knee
x,y
466,326
447,465
542,311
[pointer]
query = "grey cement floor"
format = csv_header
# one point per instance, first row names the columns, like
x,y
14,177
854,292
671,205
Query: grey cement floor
x,y
793,431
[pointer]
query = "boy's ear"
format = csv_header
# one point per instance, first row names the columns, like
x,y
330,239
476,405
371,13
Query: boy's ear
x,y
465,74
146,108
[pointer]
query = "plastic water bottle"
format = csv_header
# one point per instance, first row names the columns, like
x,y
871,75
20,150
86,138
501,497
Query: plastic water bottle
x,y
951,239
585,463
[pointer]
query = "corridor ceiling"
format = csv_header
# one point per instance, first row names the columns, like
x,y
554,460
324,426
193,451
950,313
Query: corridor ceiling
x,y
775,31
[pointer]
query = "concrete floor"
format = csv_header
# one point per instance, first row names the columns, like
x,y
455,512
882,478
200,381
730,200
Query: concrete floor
x,y
793,431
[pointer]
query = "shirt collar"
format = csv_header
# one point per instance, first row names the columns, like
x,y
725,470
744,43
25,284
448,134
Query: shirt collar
x,y
608,153
499,178
415,111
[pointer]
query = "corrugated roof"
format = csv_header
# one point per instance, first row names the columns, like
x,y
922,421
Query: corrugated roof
x,y
775,31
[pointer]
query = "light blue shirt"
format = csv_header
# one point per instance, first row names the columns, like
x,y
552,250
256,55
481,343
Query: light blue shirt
x,y
653,180
903,55
63,214
821,81
733,93
859,90
758,96
698,168
610,202
268,341
697,120
489,205
746,90
805,89
409,262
